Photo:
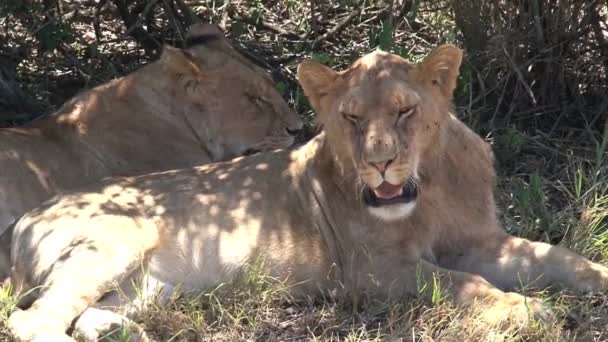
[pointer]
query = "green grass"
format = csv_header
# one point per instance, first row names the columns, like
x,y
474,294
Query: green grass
x,y
8,303
259,307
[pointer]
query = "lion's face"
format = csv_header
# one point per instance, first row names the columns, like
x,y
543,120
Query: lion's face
x,y
382,118
225,95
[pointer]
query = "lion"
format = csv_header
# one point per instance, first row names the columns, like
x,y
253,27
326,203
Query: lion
x,y
197,105
394,196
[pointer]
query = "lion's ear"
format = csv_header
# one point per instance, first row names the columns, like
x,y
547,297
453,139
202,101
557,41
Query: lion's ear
x,y
316,80
204,29
179,61
206,36
441,67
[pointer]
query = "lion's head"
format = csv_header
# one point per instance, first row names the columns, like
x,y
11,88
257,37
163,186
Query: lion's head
x,y
383,119
237,99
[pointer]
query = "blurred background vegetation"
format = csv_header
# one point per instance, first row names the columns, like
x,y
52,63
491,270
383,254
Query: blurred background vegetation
x,y
534,83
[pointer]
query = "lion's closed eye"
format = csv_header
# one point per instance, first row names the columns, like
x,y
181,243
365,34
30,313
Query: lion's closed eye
x,y
355,119
406,113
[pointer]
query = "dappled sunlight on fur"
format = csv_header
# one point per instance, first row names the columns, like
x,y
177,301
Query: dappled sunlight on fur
x,y
202,104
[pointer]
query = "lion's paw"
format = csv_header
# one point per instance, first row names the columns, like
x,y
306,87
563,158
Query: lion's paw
x,y
516,309
96,323
29,326
593,278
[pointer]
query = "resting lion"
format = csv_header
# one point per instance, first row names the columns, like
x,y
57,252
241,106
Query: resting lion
x,y
202,104
395,194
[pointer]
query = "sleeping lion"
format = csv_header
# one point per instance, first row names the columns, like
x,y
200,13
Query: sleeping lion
x,y
396,192
201,104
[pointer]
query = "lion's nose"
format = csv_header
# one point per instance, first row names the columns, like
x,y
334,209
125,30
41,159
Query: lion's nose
x,y
380,151
382,166
293,131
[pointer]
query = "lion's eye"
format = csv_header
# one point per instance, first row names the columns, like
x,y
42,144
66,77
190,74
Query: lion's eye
x,y
352,118
406,113
258,99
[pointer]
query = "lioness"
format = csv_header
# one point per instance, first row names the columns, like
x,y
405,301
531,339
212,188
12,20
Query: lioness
x,y
197,105
396,193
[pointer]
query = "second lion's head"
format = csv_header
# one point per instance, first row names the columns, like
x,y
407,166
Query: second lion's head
x,y
383,117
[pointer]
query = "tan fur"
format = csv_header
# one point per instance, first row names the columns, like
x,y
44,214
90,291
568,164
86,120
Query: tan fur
x,y
301,211
198,105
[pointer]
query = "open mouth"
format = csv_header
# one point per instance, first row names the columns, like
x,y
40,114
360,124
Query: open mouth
x,y
389,194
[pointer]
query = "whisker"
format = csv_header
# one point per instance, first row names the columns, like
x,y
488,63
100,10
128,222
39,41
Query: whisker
x,y
413,183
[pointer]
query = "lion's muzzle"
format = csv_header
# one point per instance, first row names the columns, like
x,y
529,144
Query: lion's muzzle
x,y
389,194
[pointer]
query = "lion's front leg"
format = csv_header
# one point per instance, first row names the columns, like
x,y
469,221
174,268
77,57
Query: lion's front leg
x,y
493,305
510,262
426,280
74,284
85,263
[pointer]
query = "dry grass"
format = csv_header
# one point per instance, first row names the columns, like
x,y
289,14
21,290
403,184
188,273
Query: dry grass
x,y
258,307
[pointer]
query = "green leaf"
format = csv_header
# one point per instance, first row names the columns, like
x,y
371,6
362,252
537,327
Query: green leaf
x,y
386,39
281,87
323,58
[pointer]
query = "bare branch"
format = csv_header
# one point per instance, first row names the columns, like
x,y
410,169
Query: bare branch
x,y
341,25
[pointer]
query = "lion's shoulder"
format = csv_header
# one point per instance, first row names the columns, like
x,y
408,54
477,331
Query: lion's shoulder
x,y
469,146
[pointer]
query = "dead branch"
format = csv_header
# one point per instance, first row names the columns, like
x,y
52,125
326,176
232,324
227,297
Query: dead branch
x,y
336,29
225,22
520,76
135,30
241,16
96,26
174,20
